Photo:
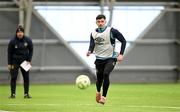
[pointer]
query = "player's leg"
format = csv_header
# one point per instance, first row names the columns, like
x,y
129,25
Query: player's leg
x,y
107,70
14,73
99,73
26,83
99,81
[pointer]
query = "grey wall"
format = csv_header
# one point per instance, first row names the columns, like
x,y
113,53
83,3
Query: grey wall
x,y
55,62
52,62
156,62
9,21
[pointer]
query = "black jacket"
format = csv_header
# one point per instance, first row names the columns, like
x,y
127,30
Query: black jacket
x,y
20,50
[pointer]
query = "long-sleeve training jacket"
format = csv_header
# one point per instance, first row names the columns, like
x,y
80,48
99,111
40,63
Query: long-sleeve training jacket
x,y
20,50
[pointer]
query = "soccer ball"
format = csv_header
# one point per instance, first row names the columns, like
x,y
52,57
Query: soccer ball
x,y
82,82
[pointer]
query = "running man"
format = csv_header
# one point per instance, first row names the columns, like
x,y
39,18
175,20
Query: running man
x,y
102,42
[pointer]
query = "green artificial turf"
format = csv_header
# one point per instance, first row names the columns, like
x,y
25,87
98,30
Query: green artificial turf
x,y
68,98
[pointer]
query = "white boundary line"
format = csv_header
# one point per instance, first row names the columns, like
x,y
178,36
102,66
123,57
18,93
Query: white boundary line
x,y
129,106
160,107
5,111
11,104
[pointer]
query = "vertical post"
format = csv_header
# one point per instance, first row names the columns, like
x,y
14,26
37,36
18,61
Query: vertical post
x,y
177,36
178,44
21,13
102,6
111,9
21,22
28,17
43,54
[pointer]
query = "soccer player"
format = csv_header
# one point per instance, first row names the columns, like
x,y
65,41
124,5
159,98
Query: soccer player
x,y
102,41
20,48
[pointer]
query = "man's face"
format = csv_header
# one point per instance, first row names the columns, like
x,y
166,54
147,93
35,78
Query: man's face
x,y
20,34
101,22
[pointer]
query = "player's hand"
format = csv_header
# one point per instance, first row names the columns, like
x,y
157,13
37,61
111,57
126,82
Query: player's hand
x,y
29,62
120,58
9,67
88,53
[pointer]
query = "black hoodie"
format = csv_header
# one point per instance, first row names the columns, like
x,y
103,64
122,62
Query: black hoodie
x,y
20,50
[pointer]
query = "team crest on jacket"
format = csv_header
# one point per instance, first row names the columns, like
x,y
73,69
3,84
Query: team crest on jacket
x,y
16,46
99,40
114,63
25,44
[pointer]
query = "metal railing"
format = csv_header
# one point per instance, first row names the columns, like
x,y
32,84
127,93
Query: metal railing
x,y
142,41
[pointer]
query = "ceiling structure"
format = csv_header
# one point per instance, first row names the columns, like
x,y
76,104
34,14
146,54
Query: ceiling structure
x,y
99,0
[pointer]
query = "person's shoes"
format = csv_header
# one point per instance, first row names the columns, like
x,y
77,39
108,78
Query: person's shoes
x,y
98,96
102,100
27,96
12,96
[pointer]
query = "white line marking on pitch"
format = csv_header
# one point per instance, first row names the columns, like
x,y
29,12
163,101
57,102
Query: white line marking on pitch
x,y
4,111
55,105
130,106
162,107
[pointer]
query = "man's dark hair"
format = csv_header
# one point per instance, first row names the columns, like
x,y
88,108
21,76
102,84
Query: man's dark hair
x,y
100,16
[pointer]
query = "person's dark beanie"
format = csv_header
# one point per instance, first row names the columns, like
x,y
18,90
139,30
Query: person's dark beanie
x,y
19,28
